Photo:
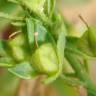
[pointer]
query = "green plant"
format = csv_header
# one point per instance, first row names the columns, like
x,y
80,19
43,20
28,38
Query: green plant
x,y
41,45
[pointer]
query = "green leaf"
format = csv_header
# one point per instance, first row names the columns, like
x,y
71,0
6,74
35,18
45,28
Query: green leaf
x,y
41,30
30,31
71,46
36,30
43,35
23,70
64,89
9,8
36,5
6,62
49,7
57,25
61,45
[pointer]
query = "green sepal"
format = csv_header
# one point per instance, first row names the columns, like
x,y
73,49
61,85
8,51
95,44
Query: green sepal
x,y
86,43
80,46
60,56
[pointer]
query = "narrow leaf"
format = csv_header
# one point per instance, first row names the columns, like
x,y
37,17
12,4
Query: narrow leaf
x,y
23,70
6,62
30,31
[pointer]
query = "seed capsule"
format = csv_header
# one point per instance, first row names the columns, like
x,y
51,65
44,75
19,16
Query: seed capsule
x,y
44,60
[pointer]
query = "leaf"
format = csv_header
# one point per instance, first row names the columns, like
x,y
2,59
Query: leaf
x,y
18,24
49,7
30,31
10,17
71,46
57,25
61,45
23,70
37,33
63,88
36,5
9,8
6,62
43,35
41,30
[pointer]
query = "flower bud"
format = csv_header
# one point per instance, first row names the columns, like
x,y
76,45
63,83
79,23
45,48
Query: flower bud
x,y
44,59
92,39
16,45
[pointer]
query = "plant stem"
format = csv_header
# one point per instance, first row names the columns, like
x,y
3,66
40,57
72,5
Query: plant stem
x,y
81,74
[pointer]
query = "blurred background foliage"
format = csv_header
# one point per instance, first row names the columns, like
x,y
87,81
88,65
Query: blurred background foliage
x,y
73,2
9,83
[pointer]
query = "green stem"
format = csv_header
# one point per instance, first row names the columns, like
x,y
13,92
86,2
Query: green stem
x,y
81,74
